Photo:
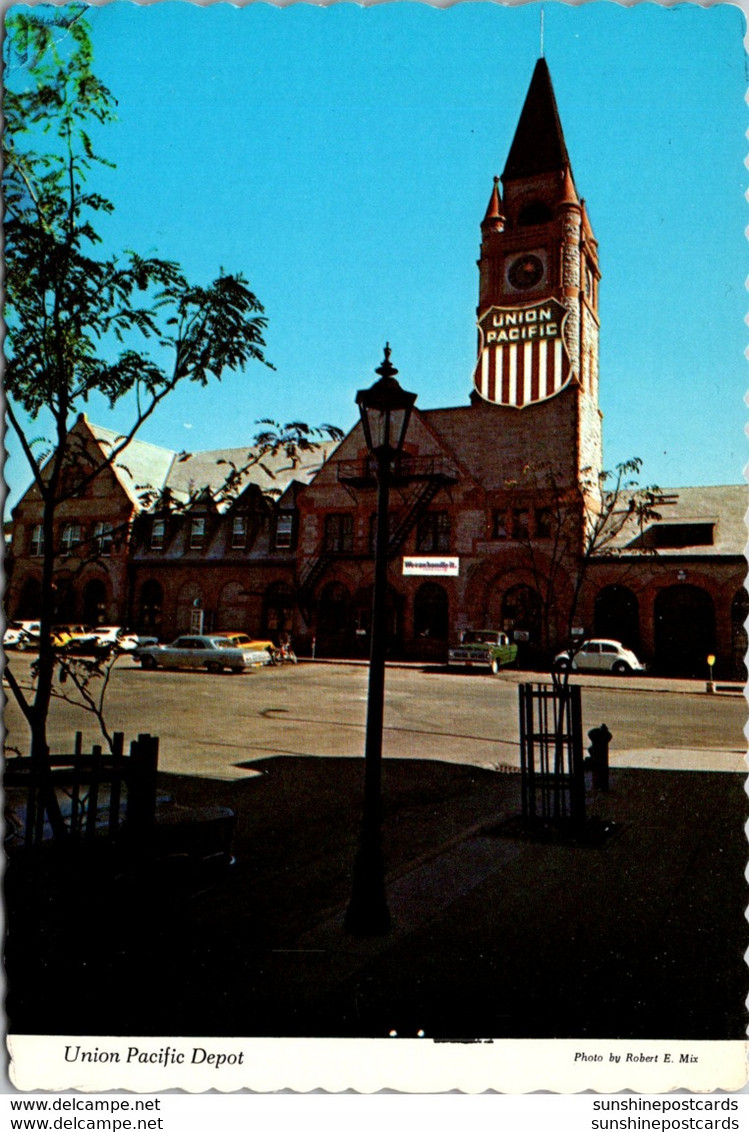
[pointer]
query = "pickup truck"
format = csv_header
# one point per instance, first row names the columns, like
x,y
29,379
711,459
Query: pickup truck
x,y
483,648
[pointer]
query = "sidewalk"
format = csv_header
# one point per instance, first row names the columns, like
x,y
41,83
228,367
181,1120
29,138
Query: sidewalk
x,y
639,683
493,935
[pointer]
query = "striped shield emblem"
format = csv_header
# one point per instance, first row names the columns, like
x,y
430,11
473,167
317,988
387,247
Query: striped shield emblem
x,y
523,357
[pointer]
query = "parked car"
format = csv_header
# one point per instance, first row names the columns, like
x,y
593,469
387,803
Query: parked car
x,y
483,648
20,635
599,656
110,638
75,637
211,653
245,641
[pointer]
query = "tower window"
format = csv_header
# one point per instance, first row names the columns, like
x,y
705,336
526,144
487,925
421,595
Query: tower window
x,y
520,524
499,524
534,213
544,521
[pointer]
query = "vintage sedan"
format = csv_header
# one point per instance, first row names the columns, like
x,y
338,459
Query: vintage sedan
x,y
211,654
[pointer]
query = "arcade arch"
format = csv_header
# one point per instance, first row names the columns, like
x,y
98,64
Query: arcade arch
x,y
684,624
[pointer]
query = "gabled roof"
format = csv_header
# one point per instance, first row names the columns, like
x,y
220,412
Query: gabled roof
x,y
139,468
538,146
145,471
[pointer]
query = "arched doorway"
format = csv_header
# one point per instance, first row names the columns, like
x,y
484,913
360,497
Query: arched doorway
x,y
431,623
65,601
333,627
617,616
150,608
684,622
521,619
362,621
190,603
431,619
95,602
739,639
30,602
278,610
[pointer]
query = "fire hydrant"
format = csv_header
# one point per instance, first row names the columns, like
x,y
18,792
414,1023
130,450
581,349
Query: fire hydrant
x,y
600,737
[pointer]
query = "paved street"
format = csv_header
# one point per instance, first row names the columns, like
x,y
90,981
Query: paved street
x,y
494,933
208,725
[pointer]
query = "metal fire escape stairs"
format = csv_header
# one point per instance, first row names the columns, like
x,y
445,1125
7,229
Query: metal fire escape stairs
x,y
425,476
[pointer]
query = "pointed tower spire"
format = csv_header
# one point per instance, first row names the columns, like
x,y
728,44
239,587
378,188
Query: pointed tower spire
x,y
538,146
494,220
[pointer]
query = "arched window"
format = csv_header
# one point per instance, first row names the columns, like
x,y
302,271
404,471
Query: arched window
x,y
431,612
232,608
684,630
150,607
617,616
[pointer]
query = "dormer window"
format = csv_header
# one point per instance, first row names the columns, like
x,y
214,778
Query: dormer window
x,y
239,532
157,534
197,533
284,530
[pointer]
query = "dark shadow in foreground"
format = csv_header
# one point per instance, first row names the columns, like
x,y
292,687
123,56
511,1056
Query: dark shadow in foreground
x,y
495,936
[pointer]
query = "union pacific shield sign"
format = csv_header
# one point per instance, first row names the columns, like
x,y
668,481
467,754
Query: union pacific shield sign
x,y
523,356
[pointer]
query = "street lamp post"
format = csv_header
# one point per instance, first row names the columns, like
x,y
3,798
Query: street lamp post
x,y
385,412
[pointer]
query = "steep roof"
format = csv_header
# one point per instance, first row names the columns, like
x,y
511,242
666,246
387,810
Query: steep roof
x,y
145,470
538,145
141,467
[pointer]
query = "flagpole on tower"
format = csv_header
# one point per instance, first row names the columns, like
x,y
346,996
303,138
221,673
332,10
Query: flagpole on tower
x,y
542,33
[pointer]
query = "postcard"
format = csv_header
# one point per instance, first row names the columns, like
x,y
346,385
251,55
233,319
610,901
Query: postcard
x,y
374,578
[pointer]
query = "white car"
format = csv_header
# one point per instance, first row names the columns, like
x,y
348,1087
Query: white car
x,y
599,656
21,635
212,654
111,637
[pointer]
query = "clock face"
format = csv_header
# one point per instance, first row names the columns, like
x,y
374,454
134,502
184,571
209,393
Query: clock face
x,y
525,272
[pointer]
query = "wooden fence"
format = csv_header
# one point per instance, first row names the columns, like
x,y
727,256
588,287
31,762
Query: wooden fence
x,y
108,797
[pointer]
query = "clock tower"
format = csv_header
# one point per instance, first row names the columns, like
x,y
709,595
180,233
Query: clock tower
x,y
538,299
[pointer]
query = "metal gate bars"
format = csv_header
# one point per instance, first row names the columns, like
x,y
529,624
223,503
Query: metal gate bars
x,y
551,757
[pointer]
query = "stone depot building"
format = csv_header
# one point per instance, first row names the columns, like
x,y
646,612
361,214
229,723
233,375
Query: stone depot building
x,y
483,491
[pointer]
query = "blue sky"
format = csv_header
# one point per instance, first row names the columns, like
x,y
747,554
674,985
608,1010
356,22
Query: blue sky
x,y
342,158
